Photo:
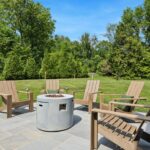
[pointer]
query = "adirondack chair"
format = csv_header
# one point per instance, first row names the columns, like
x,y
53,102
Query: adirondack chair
x,y
10,97
132,95
115,129
90,94
52,86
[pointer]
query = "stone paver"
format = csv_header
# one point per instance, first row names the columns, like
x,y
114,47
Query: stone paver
x,y
20,133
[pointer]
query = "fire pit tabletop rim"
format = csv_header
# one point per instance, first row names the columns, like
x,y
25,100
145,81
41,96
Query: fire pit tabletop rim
x,y
65,96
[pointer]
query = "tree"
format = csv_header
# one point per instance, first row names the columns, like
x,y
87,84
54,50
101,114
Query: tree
x,y
87,45
30,69
147,22
111,31
1,63
127,52
103,48
49,68
145,67
7,35
31,22
13,67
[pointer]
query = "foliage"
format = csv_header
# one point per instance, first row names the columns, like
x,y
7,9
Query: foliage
x,y
63,60
30,69
147,21
1,63
28,48
111,31
13,67
27,21
128,49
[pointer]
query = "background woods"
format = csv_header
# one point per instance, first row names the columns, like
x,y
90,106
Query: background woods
x,y
30,49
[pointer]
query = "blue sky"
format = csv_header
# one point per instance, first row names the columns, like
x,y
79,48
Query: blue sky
x,y
75,17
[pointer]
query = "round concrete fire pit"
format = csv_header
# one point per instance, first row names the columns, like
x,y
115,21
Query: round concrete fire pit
x,y
54,112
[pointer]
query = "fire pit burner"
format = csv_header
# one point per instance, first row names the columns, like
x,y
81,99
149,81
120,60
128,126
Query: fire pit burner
x,y
54,112
54,95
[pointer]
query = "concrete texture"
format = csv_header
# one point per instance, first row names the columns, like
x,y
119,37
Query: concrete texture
x,y
20,133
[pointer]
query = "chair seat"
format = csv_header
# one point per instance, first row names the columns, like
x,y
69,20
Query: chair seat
x,y
119,126
115,128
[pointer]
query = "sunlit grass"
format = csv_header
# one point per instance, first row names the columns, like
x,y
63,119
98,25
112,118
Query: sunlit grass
x,y
107,85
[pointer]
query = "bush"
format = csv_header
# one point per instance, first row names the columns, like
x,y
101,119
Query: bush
x,y
13,68
30,69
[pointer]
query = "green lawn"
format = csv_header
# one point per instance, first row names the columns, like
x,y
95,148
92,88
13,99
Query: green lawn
x,y
107,85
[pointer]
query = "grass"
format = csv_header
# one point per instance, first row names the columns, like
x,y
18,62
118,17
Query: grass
x,y
107,85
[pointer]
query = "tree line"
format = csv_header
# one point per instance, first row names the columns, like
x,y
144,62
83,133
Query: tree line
x,y
30,49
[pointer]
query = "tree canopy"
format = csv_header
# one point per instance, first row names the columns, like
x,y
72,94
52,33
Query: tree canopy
x,y
30,49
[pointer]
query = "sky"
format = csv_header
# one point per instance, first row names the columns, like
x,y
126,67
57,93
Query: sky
x,y
75,17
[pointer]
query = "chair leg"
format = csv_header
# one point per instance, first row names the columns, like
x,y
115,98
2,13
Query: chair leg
x,y
89,108
94,131
90,103
9,106
31,102
31,106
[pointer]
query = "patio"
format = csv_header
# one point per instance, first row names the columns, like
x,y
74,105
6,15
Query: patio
x,y
20,133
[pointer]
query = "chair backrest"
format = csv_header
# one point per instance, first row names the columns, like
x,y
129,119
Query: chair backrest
x,y
9,87
52,84
91,87
135,88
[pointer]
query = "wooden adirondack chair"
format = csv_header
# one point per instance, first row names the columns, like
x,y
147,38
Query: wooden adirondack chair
x,y
132,95
90,94
10,97
51,86
115,129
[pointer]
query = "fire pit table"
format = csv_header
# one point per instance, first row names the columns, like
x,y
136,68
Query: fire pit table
x,y
54,112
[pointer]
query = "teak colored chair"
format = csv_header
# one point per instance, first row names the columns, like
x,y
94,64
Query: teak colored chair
x,y
115,129
51,86
90,94
132,95
10,97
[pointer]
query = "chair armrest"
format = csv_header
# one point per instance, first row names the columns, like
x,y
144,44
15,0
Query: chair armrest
x,y
111,94
118,99
29,94
119,114
25,92
129,104
140,98
4,94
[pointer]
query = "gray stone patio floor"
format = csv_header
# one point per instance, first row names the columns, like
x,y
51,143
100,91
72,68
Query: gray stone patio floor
x,y
20,133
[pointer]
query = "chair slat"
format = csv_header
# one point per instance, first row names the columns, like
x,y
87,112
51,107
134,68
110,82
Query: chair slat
x,y
127,128
135,88
108,119
132,130
14,91
92,86
52,84
114,120
118,123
